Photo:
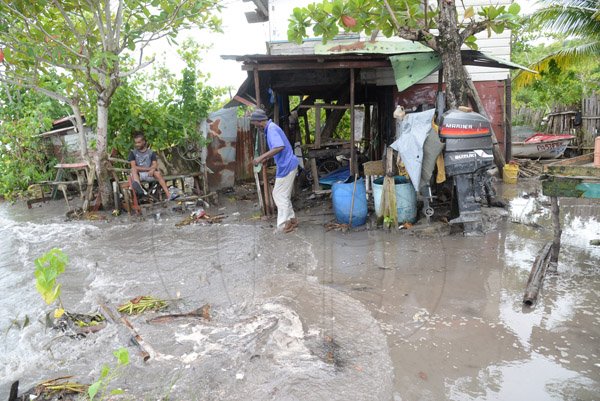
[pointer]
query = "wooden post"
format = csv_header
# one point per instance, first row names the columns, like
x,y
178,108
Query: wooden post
x,y
276,111
367,127
536,276
306,129
315,173
353,169
508,119
266,188
557,233
317,127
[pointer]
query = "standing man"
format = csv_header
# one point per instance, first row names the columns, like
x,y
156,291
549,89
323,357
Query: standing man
x,y
287,164
144,166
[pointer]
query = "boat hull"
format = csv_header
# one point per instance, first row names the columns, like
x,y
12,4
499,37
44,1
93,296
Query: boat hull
x,y
541,149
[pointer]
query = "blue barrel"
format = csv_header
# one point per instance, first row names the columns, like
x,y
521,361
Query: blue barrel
x,y
342,201
406,199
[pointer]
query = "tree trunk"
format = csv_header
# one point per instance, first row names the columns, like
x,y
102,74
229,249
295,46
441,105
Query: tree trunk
x,y
455,76
459,88
83,148
101,157
448,44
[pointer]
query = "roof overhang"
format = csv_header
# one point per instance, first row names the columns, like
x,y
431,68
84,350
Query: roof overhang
x,y
294,71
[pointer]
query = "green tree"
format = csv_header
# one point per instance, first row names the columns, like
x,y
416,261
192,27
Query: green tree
x,y
576,20
24,157
439,28
88,42
166,108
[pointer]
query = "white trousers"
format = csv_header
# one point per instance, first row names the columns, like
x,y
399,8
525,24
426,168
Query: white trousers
x,y
282,195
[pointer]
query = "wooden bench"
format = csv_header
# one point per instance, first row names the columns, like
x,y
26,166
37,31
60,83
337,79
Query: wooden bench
x,y
82,172
122,176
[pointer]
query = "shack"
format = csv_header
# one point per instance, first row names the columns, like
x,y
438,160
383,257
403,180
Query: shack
x,y
350,76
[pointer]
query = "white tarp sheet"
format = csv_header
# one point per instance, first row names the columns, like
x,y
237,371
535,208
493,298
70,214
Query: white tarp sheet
x,y
411,133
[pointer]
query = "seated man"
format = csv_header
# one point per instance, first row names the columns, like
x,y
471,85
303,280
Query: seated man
x,y
144,166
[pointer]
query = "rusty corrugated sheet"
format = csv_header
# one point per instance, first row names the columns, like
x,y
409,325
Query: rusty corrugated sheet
x,y
490,92
221,152
244,150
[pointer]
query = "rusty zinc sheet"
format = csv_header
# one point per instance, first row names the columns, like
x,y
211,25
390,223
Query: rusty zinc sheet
x,y
221,151
244,150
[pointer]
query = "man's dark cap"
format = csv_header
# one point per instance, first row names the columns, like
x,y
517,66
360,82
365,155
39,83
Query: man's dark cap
x,y
258,115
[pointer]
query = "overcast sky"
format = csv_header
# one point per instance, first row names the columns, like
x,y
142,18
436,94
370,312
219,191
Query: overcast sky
x,y
238,38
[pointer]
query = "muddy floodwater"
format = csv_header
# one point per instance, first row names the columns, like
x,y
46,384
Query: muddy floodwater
x,y
313,315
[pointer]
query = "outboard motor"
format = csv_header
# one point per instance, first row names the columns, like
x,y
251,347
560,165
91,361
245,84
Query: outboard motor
x,y
468,156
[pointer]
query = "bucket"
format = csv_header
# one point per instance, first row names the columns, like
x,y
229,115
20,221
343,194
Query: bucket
x,y
597,152
510,173
341,193
406,199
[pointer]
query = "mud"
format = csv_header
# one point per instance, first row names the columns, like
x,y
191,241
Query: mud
x,y
417,315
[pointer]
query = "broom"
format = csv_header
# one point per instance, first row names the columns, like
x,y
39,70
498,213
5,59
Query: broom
x,y
388,197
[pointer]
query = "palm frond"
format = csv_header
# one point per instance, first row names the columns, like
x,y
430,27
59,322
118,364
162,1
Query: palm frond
x,y
569,20
565,58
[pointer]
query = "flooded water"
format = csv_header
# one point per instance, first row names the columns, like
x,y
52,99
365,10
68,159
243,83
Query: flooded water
x,y
314,315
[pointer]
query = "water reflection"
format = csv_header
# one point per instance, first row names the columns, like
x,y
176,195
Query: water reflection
x,y
538,378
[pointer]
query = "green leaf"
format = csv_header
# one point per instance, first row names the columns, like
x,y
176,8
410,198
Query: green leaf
x,y
122,355
514,8
498,28
93,390
104,371
117,391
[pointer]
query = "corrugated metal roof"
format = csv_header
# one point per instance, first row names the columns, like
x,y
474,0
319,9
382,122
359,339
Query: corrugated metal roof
x,y
368,47
469,57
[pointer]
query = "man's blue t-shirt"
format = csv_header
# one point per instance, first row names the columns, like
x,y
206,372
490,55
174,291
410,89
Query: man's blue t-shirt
x,y
285,160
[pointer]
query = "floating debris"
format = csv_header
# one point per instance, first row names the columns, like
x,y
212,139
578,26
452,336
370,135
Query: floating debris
x,y
200,216
337,227
80,214
141,304
80,324
60,388
202,312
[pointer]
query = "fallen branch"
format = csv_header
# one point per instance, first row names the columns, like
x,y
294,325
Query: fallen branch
x,y
146,351
536,277
203,312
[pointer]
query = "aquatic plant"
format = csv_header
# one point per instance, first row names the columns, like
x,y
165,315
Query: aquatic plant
x,y
47,269
108,374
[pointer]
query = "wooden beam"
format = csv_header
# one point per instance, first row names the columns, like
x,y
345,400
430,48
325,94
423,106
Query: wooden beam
x,y
276,109
353,169
325,106
244,101
317,126
306,130
261,139
316,66
536,276
508,119
573,171
557,233
315,174
583,159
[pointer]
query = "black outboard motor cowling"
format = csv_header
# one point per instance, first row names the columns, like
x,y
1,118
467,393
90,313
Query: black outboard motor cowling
x,y
468,155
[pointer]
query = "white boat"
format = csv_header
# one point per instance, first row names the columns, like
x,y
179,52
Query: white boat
x,y
542,146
